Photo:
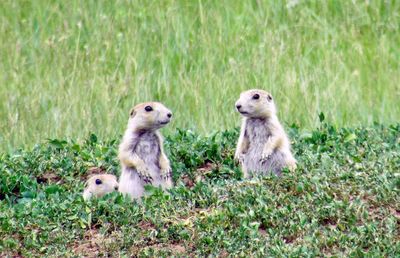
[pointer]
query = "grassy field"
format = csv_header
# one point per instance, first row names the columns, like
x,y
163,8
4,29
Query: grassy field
x,y
343,200
68,68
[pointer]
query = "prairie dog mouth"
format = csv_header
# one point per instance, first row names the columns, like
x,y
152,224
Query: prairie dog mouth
x,y
164,122
243,112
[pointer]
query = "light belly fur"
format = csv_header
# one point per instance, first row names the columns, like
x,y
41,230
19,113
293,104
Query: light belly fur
x,y
148,149
258,133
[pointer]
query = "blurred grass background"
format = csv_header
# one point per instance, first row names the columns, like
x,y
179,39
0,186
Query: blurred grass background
x,y
68,68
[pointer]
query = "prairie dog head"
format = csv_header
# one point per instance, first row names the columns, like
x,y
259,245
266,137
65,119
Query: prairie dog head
x,y
256,104
149,116
99,185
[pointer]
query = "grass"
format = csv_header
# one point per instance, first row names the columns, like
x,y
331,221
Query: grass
x,y
343,200
71,68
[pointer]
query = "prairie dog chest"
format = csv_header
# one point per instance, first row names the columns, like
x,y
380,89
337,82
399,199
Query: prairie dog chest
x,y
148,147
257,131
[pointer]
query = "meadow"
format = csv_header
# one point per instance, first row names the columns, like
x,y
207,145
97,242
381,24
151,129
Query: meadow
x,y
68,69
342,201
71,70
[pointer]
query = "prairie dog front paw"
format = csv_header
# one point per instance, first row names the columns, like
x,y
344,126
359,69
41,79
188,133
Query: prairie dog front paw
x,y
266,154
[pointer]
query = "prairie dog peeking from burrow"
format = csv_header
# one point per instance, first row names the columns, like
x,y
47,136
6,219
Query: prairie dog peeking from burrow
x,y
99,185
263,145
141,152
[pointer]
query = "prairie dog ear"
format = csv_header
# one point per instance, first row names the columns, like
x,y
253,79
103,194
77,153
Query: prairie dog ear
x,y
132,113
269,97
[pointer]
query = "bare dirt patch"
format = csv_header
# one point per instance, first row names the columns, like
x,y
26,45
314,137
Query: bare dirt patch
x,y
146,225
200,174
95,171
90,246
174,249
49,177
206,168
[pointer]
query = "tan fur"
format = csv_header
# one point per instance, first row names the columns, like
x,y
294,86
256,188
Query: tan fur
x,y
108,184
141,151
262,134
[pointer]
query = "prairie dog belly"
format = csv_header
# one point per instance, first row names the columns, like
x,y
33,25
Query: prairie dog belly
x,y
252,161
258,132
148,149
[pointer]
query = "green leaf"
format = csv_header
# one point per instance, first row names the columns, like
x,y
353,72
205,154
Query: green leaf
x,y
321,117
350,137
93,138
52,189
58,144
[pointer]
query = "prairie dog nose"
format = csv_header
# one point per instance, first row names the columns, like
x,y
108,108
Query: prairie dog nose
x,y
238,106
169,115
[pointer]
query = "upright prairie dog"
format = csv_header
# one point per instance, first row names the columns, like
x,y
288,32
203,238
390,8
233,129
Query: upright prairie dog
x,y
141,152
263,145
99,185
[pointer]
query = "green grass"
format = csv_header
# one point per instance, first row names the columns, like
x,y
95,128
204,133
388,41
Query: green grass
x,y
70,68
343,200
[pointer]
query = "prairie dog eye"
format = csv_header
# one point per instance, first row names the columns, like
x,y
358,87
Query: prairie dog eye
x,y
98,181
256,96
148,108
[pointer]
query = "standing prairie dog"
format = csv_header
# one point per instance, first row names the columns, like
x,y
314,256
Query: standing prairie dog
x,y
263,145
99,185
141,152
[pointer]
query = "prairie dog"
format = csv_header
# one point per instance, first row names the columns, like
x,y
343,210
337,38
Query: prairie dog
x,y
99,185
263,145
141,152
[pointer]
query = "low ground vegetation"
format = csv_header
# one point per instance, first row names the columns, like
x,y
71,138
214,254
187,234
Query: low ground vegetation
x,y
342,200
